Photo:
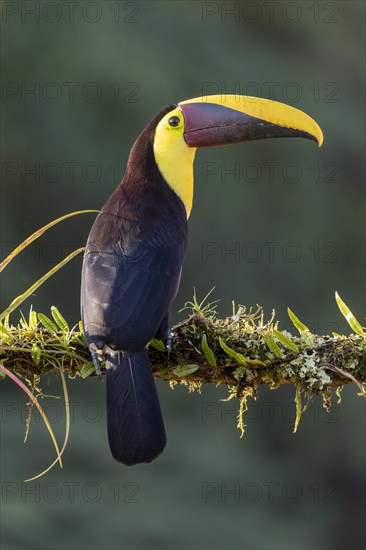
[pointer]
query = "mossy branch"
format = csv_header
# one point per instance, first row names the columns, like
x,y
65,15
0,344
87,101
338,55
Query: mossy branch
x,y
240,351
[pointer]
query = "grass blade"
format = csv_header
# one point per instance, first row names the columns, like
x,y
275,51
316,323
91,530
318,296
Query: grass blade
x,y
185,370
36,403
272,345
37,234
87,369
239,358
285,341
299,409
297,323
157,344
20,299
60,319
46,322
350,318
209,354
5,334
67,428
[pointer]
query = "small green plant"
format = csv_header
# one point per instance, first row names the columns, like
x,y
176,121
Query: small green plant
x,y
201,309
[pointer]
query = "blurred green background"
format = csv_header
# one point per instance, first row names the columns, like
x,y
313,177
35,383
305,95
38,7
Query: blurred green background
x,y
80,80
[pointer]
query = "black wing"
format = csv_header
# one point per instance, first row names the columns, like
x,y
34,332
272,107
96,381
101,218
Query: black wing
x,y
128,287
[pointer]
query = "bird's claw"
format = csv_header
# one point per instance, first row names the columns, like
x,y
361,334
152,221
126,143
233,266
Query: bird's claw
x,y
97,356
169,342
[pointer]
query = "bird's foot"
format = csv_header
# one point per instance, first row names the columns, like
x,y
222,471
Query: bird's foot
x,y
169,340
97,356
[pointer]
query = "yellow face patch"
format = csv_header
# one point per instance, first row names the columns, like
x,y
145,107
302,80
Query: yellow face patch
x,y
173,156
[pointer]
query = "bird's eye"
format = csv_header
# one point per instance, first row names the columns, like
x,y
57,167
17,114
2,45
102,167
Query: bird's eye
x,y
174,121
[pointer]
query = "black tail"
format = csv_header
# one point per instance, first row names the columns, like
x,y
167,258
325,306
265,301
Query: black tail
x,y
135,424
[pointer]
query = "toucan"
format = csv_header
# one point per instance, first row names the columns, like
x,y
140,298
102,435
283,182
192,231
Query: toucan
x,y
135,250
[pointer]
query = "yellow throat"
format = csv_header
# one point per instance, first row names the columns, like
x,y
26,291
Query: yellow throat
x,y
174,158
